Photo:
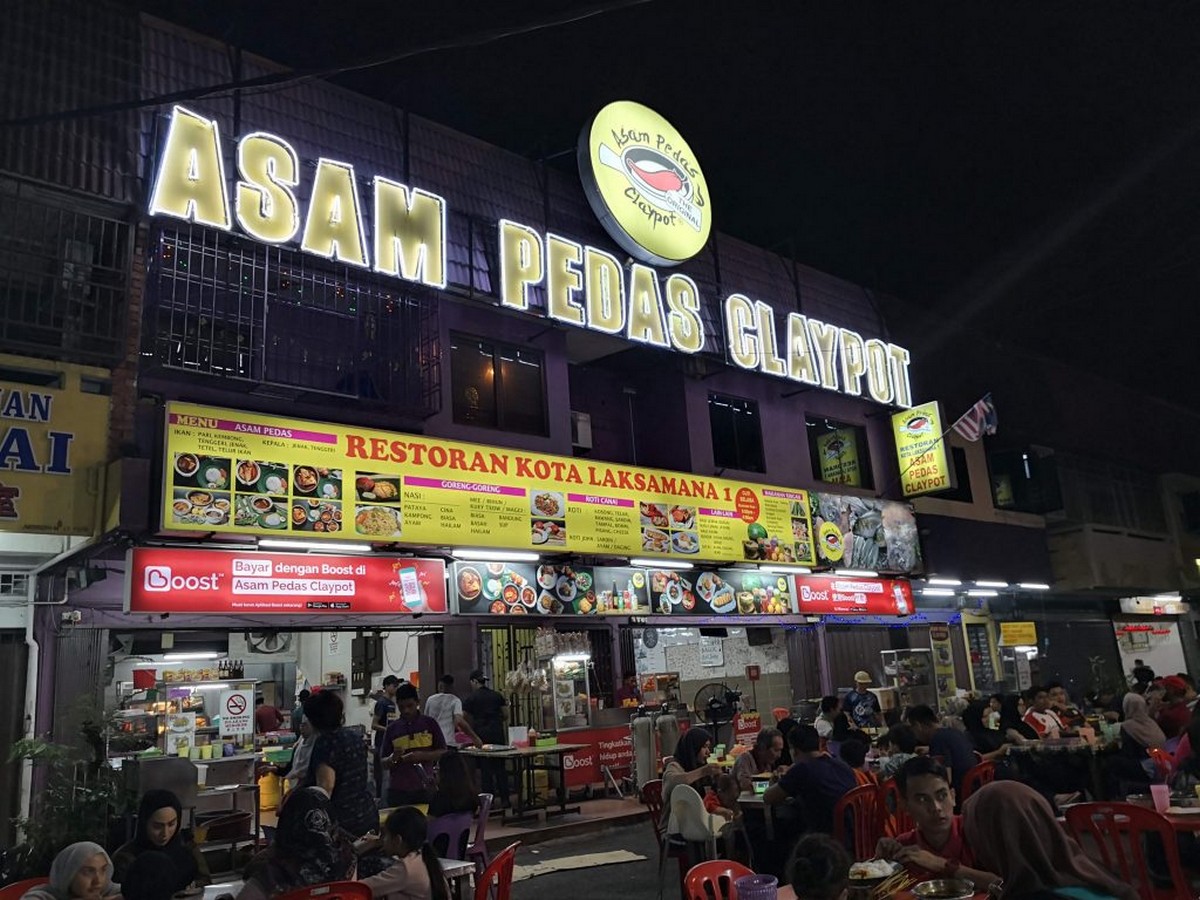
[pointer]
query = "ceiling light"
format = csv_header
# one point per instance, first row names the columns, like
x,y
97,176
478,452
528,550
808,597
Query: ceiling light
x,y
948,582
1033,586
937,592
856,573
496,555
323,546
660,564
180,657
786,570
974,593
991,584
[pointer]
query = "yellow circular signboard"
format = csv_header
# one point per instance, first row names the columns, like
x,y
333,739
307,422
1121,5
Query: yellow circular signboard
x,y
645,184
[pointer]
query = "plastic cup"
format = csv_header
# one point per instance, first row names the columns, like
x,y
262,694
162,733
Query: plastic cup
x,y
206,751
1161,795
182,751
1197,790
201,776
757,887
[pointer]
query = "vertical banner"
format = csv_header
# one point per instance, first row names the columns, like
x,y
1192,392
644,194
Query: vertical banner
x,y
838,456
921,451
943,660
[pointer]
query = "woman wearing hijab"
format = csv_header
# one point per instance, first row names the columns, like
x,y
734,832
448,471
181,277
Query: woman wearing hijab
x,y
82,871
159,817
690,765
1139,732
1012,721
988,742
308,849
150,877
1012,830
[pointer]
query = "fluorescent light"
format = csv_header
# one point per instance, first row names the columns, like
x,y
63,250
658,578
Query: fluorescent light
x,y
1033,586
1026,648
974,593
573,657
179,657
1169,596
218,686
496,555
937,592
856,573
660,564
991,584
948,582
786,570
324,546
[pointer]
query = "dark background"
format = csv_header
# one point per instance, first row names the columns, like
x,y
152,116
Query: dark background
x,y
1018,180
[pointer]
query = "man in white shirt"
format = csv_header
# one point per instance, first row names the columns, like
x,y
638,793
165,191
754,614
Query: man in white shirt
x,y
1040,717
447,710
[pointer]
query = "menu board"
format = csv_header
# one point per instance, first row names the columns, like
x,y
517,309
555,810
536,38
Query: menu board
x,y
743,592
980,651
251,474
499,589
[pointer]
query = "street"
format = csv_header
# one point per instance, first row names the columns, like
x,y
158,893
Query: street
x,y
626,880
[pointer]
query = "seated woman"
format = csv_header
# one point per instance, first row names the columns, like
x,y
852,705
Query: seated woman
x,y
819,869
989,743
456,791
82,871
1139,733
150,877
1012,720
690,765
1013,831
159,818
309,849
416,873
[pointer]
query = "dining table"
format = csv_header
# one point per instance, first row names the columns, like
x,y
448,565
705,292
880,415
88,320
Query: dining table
x,y
525,762
753,800
457,871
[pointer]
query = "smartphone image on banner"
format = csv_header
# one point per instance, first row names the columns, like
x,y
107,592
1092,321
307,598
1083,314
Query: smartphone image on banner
x,y
410,589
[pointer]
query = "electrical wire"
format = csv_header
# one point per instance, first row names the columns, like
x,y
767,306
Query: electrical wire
x,y
280,80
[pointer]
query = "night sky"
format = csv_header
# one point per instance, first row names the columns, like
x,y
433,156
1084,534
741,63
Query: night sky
x,y
1023,175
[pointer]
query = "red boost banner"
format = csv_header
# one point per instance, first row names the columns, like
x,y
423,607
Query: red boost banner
x,y
228,583
836,594
612,747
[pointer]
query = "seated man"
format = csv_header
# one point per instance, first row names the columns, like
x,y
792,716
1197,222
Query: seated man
x,y
953,746
1040,717
816,781
935,848
1060,702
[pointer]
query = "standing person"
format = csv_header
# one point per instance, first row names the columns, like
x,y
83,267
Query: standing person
x,y
628,694
447,710
266,717
992,716
761,759
1039,716
832,723
935,848
950,744
159,820
1014,833
81,871
298,711
383,714
412,745
486,709
861,705
816,780
338,765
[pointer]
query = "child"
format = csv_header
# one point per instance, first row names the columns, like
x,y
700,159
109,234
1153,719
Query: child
x,y
819,869
724,800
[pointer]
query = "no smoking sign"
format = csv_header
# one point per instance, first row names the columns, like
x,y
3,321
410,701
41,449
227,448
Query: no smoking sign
x,y
237,716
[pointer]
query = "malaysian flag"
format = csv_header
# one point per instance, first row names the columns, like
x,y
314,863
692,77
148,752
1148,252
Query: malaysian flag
x,y
977,421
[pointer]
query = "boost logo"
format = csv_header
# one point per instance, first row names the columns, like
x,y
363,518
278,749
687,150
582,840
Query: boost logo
x,y
161,578
644,184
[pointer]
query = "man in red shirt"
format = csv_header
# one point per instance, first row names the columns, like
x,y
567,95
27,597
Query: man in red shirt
x,y
1174,715
1040,717
936,847
266,718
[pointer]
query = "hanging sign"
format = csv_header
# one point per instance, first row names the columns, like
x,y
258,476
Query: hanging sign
x,y
837,456
921,450
943,659
1018,634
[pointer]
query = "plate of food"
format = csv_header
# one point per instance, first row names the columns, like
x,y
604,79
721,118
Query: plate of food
x,y
378,521
656,540
583,580
653,514
553,533
186,464
723,600
305,479
379,488
547,504
545,602
565,589
248,472
685,542
683,517
470,585
707,585
873,871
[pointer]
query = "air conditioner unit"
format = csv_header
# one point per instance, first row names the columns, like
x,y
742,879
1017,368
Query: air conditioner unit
x,y
581,430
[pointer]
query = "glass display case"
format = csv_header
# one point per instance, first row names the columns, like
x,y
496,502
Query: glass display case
x,y
911,674
569,702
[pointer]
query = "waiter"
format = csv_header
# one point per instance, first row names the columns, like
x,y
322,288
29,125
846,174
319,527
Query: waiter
x,y
486,709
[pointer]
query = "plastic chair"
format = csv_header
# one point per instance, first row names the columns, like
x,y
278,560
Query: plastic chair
x,y
858,807
1164,764
652,797
714,880
334,890
477,851
977,777
1120,831
496,880
893,819
455,829
687,823
18,889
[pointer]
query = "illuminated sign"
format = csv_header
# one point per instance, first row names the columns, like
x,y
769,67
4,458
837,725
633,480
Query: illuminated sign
x,y
1018,634
644,184
920,450
402,233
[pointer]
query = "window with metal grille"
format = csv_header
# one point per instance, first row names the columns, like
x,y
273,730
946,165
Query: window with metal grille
x,y
228,307
63,276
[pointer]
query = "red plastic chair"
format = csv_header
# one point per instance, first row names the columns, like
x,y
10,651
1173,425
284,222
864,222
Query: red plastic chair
x,y
893,819
1164,764
1119,830
714,880
498,876
18,889
334,890
477,852
858,808
977,777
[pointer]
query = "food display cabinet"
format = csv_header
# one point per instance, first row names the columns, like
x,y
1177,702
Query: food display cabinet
x,y
569,701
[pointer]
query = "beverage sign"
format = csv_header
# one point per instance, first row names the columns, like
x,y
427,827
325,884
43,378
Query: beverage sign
x,y
921,450
52,433
818,594
165,580
237,713
646,187
250,474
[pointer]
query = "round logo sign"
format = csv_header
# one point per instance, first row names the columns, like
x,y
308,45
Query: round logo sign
x,y
644,184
